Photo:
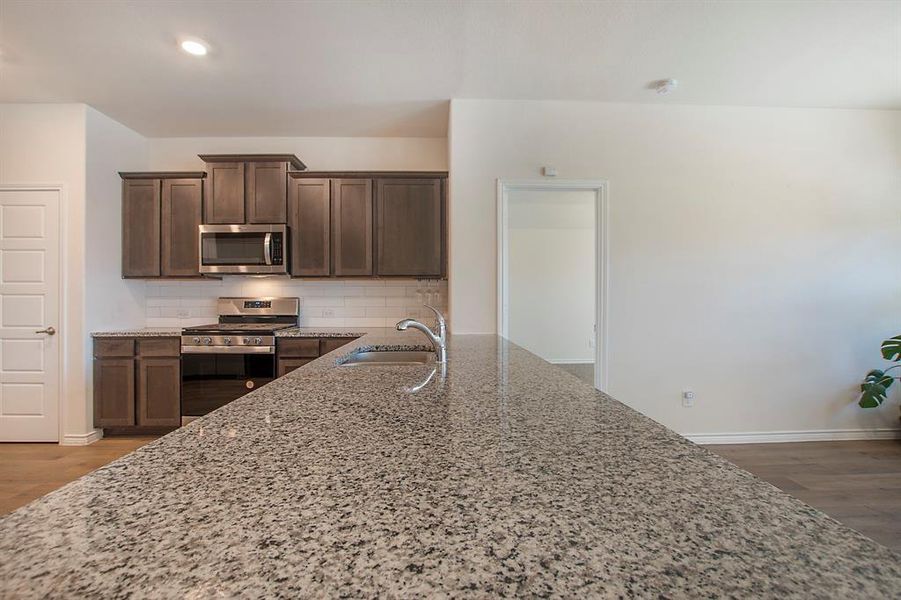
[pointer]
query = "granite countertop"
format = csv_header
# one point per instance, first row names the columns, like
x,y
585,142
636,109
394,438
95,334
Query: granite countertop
x,y
499,475
139,332
301,332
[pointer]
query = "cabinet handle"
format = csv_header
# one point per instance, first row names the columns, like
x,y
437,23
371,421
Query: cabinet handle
x,y
48,331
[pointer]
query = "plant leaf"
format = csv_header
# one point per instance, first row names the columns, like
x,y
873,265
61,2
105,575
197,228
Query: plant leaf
x,y
872,389
891,348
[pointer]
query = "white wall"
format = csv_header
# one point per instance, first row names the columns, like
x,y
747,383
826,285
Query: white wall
x,y
551,274
753,251
110,301
111,147
45,144
319,154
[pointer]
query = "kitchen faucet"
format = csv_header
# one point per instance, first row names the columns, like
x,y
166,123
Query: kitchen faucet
x,y
439,340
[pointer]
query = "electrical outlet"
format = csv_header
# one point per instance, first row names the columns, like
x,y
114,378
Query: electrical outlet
x,y
688,399
328,312
591,341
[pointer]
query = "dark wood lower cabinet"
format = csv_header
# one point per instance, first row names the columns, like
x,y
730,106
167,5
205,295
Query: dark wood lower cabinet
x,y
114,392
286,365
326,345
137,383
296,352
159,389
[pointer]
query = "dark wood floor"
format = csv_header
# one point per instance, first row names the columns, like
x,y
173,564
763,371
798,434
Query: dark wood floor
x,y
857,483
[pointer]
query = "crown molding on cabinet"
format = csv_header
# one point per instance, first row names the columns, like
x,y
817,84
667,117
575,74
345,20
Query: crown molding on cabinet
x,y
291,159
162,174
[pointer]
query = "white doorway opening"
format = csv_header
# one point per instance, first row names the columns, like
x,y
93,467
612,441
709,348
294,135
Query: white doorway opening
x,y
552,270
30,309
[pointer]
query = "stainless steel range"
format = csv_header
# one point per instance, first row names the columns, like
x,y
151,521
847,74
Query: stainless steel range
x,y
227,359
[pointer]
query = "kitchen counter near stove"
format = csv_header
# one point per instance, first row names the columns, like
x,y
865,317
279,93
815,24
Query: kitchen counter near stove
x,y
141,332
498,475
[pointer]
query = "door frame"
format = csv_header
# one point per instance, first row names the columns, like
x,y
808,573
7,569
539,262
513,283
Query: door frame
x,y
63,366
600,188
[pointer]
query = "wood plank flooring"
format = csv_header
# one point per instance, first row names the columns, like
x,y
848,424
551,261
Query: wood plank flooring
x,y
856,483
29,471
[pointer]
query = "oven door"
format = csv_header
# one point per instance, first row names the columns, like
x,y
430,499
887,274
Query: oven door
x,y
243,249
209,380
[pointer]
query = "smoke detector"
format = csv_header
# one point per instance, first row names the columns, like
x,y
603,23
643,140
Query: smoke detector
x,y
665,86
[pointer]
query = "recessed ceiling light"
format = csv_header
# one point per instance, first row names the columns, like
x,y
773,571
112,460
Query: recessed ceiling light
x,y
665,86
194,47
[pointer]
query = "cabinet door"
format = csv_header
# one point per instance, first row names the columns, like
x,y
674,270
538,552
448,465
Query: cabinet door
x,y
352,227
114,392
309,219
286,365
141,228
266,192
409,227
225,201
182,207
159,392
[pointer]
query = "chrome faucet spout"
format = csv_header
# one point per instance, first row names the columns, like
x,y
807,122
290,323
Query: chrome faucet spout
x,y
439,339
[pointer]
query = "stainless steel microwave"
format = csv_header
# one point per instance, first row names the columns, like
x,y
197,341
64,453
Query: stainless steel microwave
x,y
243,249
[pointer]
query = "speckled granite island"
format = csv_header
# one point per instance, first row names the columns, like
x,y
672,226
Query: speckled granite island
x,y
502,476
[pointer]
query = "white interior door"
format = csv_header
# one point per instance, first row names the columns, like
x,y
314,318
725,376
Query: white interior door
x,y
29,315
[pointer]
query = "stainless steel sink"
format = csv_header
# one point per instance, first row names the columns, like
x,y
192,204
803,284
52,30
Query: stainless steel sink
x,y
388,358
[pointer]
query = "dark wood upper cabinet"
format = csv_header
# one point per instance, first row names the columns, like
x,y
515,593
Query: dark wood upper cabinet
x,y
310,222
266,187
352,227
182,207
160,218
140,228
248,188
409,227
224,203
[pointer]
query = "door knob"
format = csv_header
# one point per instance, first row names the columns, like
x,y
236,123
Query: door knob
x,y
48,331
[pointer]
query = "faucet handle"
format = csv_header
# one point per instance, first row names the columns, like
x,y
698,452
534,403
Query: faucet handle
x,y
442,324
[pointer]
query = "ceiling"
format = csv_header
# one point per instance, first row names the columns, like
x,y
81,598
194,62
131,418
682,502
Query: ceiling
x,y
388,68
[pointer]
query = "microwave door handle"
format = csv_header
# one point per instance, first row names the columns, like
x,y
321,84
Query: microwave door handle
x,y
267,248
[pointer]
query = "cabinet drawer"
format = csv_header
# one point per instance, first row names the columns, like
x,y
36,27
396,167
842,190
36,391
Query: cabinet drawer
x,y
326,345
113,347
159,347
298,348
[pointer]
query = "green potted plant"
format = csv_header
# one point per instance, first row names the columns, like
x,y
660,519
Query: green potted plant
x,y
874,388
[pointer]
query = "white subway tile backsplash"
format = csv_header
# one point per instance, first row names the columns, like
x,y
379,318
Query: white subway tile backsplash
x,y
365,301
324,303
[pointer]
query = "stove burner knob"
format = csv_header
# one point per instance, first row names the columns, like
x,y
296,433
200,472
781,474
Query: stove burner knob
x,y
246,340
227,340
197,341
207,341
258,340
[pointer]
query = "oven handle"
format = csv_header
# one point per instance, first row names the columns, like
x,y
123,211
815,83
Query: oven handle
x,y
228,349
267,248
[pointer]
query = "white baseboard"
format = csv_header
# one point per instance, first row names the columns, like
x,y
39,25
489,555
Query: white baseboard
x,y
775,437
571,361
81,439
